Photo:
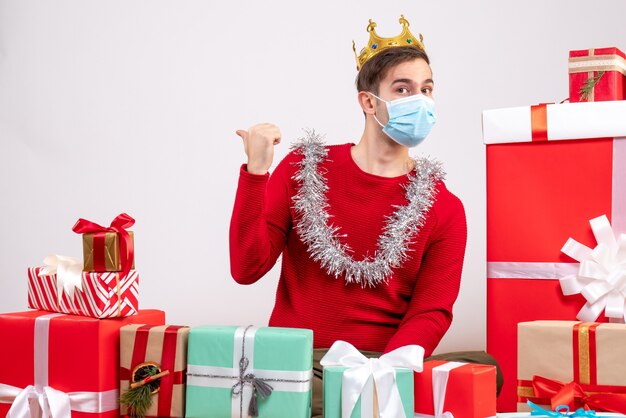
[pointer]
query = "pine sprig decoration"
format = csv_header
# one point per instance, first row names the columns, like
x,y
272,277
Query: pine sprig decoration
x,y
586,90
138,398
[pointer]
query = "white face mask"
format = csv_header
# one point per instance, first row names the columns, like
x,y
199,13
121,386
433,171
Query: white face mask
x,y
410,119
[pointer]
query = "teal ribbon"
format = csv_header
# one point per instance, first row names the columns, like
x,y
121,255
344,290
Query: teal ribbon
x,y
561,411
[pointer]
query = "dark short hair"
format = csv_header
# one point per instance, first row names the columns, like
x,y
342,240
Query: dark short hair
x,y
377,67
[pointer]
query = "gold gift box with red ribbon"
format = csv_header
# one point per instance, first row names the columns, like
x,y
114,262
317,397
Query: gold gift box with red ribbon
x,y
107,248
101,251
579,364
149,349
597,75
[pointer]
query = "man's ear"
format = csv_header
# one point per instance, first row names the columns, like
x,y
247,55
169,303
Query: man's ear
x,y
367,102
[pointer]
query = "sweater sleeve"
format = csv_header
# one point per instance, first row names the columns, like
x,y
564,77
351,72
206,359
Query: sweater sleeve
x,y
430,311
260,223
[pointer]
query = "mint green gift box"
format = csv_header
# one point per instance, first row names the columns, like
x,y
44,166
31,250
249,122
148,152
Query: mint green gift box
x,y
281,357
332,392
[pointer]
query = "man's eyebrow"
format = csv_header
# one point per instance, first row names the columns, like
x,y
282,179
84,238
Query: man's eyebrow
x,y
409,81
403,80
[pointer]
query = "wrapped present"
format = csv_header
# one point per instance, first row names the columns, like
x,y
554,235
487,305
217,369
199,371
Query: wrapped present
x,y
359,387
547,414
550,169
563,412
147,351
577,364
52,364
63,288
107,248
597,74
240,371
457,389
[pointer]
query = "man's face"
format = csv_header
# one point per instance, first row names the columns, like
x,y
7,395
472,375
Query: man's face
x,y
405,79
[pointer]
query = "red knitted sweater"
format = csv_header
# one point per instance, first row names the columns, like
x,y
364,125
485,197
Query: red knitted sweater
x,y
415,307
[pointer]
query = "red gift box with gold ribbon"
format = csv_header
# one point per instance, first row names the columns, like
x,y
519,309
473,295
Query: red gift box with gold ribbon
x,y
64,366
164,350
578,364
550,169
597,74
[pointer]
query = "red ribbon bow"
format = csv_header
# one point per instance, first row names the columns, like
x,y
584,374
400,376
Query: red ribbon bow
x,y
573,395
118,225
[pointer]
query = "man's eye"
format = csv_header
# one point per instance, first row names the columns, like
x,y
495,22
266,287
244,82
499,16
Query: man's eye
x,y
427,90
403,90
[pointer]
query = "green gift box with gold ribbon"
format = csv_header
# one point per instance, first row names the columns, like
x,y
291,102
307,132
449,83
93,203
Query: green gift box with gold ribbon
x,y
248,371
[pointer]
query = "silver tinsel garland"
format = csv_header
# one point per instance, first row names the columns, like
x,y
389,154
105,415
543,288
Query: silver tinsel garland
x,y
322,239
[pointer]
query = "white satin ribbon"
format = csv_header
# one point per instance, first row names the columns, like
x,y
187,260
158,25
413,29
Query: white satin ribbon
x,y
68,270
363,373
601,277
529,270
440,384
42,401
31,402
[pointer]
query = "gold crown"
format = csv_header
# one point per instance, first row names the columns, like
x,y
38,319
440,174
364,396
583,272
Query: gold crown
x,y
377,44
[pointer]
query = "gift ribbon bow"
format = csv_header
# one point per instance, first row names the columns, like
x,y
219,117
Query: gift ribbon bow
x,y
69,273
601,277
118,225
573,395
42,401
560,411
47,402
260,388
363,371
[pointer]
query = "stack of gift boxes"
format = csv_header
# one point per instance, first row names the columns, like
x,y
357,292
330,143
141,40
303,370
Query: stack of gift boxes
x,y
556,249
87,350
62,359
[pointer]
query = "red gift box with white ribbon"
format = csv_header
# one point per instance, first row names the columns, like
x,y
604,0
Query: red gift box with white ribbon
x,y
64,366
550,170
449,388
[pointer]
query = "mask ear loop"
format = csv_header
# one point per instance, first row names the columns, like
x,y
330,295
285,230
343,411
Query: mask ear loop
x,y
375,118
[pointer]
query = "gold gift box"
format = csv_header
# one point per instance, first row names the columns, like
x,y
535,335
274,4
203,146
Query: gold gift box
x,y
156,354
112,259
547,349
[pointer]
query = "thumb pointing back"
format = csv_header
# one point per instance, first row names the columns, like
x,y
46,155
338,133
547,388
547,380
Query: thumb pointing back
x,y
243,134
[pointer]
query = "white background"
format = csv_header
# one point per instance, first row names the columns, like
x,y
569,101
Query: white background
x,y
131,106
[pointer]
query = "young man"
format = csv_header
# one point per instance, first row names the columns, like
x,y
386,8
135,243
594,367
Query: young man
x,y
372,241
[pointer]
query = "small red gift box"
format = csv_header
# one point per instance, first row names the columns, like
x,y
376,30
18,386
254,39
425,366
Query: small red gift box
x,y
463,389
101,295
597,74
550,169
65,362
